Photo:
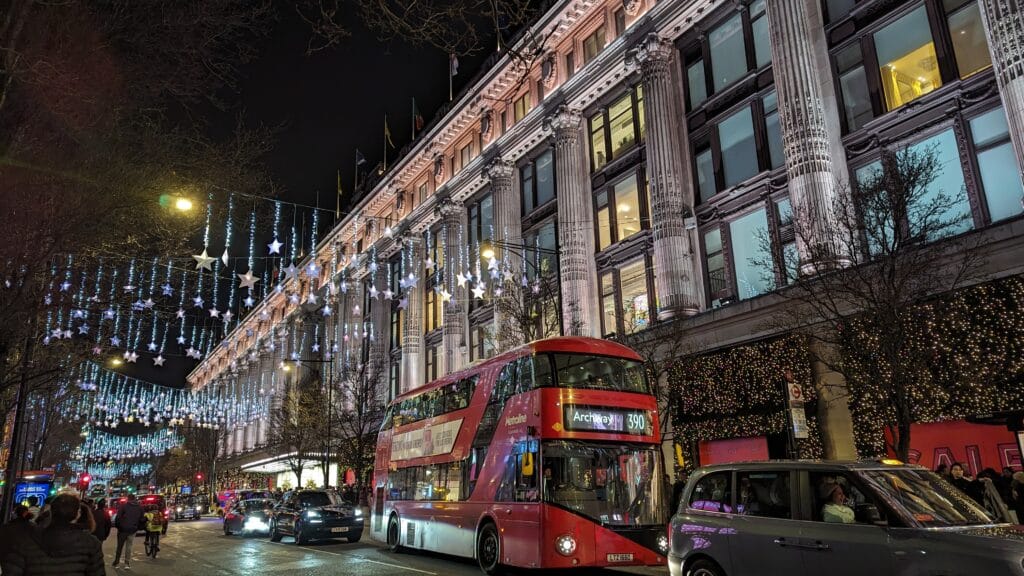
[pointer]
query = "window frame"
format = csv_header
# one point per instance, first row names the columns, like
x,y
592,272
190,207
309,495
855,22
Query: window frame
x,y
608,189
615,273
530,166
639,131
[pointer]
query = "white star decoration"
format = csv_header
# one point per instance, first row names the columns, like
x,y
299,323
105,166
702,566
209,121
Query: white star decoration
x,y
461,280
492,263
159,361
214,313
373,291
313,271
203,261
228,316
326,311
275,247
180,313
294,298
248,302
446,296
131,357
388,294
224,257
478,290
151,346
312,298
167,289
198,301
115,341
181,339
290,271
403,303
248,280
148,303
83,329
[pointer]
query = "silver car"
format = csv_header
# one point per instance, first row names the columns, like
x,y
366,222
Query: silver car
x,y
837,518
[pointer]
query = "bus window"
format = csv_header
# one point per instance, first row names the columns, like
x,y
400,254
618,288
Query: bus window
x,y
388,418
600,372
506,383
534,372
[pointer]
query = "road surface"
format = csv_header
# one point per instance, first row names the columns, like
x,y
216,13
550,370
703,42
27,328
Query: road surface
x,y
194,548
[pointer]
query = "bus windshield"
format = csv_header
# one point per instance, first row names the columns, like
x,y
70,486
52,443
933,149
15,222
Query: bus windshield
x,y
613,485
601,373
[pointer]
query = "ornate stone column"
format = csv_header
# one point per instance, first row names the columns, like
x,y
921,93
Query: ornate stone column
x,y
378,317
454,327
805,137
1004,27
671,190
508,234
411,302
575,226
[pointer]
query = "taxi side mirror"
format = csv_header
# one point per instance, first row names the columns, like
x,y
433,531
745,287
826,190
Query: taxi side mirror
x,y
527,464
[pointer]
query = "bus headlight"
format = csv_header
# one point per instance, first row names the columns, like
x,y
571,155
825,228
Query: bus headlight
x,y
663,543
565,544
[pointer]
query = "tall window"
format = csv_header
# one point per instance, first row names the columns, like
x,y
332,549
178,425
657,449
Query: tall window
x,y
481,232
908,56
521,107
615,130
752,263
542,290
431,299
466,155
395,332
593,44
537,181
714,264
421,193
739,145
481,343
430,363
626,297
994,152
620,211
733,47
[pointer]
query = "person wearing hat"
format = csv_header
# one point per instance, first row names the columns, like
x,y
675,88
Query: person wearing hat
x,y
835,508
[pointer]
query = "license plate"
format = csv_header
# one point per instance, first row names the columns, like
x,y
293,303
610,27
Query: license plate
x,y
345,529
620,557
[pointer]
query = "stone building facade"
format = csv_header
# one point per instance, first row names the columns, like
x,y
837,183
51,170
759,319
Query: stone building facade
x,y
633,165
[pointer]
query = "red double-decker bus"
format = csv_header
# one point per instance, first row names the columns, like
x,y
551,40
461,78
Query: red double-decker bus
x,y
547,456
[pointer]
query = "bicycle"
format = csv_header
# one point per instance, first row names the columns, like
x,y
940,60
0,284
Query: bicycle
x,y
152,544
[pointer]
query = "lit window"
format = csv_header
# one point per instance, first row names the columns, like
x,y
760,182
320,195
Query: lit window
x,y
604,221
1001,183
618,212
751,258
593,44
906,58
521,107
634,298
598,143
608,314
949,181
623,128
968,35
615,131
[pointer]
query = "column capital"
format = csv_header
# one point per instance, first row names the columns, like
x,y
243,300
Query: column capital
x,y
652,51
449,207
564,122
498,168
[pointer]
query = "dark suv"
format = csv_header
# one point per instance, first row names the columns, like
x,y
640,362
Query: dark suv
x,y
315,515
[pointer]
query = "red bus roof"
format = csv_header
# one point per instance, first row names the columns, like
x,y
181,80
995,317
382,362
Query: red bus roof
x,y
563,344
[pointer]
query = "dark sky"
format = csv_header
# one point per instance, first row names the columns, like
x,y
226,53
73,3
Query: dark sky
x,y
334,101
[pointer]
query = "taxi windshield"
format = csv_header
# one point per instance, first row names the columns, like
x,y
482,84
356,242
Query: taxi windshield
x,y
925,499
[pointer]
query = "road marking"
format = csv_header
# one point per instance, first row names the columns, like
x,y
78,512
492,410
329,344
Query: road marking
x,y
358,557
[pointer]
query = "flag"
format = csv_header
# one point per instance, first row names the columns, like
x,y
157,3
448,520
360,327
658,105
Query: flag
x,y
337,200
387,132
417,118
360,159
453,65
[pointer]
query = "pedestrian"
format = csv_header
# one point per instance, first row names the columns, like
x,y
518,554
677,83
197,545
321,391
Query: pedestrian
x,y
102,521
1003,483
1017,495
942,470
127,523
966,484
85,521
33,508
60,549
22,522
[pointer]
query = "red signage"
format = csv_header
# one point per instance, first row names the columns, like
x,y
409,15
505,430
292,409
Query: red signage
x,y
977,446
733,450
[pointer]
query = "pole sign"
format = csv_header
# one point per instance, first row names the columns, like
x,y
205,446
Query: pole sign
x,y
798,416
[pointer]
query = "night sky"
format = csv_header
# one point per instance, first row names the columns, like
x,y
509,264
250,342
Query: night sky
x,y
334,101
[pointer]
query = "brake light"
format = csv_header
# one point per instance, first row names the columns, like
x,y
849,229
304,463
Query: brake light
x,y
167,513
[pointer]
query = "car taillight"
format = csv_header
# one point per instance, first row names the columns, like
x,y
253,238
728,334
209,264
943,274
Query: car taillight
x,y
167,513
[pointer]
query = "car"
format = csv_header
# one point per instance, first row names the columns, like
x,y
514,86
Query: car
x,y
248,516
188,508
310,515
836,518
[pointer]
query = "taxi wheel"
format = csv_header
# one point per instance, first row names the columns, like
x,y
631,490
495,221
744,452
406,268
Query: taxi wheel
x,y
704,567
275,536
355,538
300,540
227,531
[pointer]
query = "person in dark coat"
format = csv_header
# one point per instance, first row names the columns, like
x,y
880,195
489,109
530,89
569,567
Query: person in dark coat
x,y
966,484
127,523
60,549
21,523
102,520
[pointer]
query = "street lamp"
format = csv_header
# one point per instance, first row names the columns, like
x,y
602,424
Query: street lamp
x,y
182,204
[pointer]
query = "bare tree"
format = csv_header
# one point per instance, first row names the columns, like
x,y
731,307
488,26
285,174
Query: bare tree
x,y
902,234
526,310
360,407
297,425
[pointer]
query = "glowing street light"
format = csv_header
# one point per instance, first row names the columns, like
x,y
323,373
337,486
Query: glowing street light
x,y
182,204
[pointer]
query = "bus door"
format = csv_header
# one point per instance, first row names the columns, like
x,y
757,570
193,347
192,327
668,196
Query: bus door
x,y
518,505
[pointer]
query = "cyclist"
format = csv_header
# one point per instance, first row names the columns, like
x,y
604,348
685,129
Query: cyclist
x,y
154,524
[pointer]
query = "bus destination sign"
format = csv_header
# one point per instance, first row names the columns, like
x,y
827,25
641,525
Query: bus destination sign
x,y
597,419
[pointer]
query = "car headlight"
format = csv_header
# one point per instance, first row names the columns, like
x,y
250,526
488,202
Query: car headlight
x,y
565,544
663,543
359,511
312,514
179,508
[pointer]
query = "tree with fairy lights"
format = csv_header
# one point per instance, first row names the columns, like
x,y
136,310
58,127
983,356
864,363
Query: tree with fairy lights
x,y
897,237
361,390
297,425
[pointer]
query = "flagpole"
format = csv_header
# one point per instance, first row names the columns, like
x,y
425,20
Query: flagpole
x,y
385,142
413,117
337,199
450,95
355,176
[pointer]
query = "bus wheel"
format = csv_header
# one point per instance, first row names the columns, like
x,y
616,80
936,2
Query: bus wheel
x,y
488,549
393,544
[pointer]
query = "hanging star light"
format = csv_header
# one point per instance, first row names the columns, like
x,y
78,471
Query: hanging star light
x,y
131,357
315,347
167,289
115,341
248,301
248,280
275,246
326,310
227,316
388,294
461,280
290,271
356,311
151,346
65,286
343,287
403,303
214,313
180,313
83,329
148,303
67,334
57,333
203,261
97,350
313,271
109,314
478,290
492,263
180,339
446,296
224,257
159,360
509,275
312,299
198,301
373,291
294,298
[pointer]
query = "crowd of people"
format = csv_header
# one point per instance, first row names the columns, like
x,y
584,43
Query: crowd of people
x,y
1008,486
61,537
